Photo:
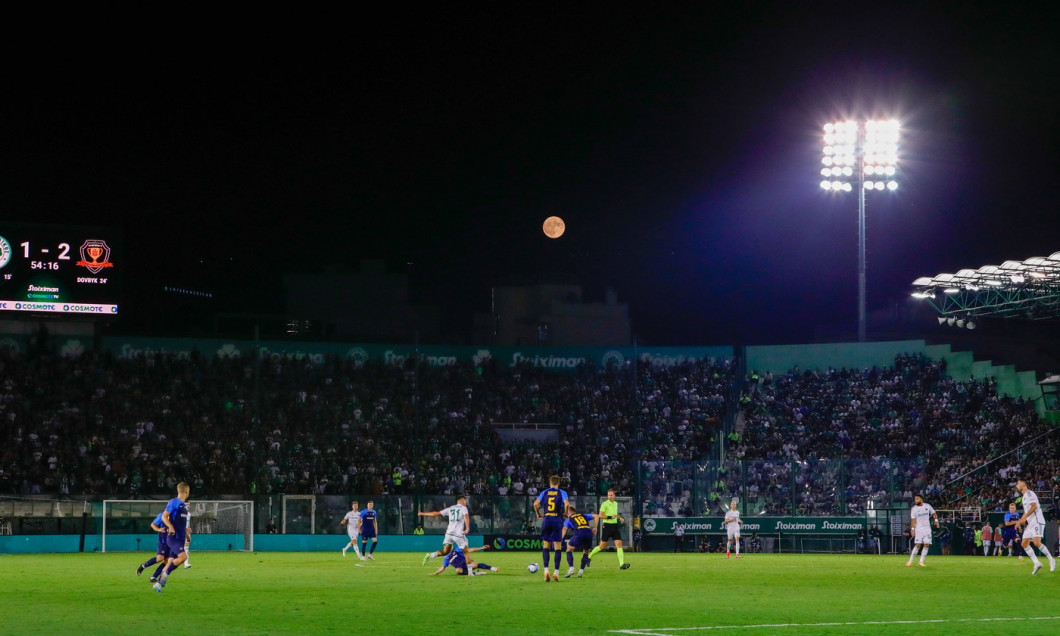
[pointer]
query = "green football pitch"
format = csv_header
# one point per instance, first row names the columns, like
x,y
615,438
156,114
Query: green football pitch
x,y
672,594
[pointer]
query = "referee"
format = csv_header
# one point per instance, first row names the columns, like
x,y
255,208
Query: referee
x,y
612,522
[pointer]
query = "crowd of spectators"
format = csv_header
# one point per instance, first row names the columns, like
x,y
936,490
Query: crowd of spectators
x,y
911,426
803,442
97,424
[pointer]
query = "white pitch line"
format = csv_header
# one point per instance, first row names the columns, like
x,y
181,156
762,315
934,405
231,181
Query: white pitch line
x,y
668,631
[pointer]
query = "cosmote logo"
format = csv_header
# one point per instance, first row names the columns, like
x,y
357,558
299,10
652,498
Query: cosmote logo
x,y
499,543
5,252
649,525
613,357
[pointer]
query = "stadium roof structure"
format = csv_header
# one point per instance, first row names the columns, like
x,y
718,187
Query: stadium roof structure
x,y
1028,289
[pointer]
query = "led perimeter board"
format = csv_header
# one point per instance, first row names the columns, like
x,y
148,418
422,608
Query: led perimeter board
x,y
59,270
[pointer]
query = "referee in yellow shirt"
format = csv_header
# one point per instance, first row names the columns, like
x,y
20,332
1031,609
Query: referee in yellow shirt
x,y
612,522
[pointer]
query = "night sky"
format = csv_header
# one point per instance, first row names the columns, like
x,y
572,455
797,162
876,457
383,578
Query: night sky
x,y
681,147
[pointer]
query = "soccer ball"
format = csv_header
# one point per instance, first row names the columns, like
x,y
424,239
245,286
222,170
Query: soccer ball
x,y
532,568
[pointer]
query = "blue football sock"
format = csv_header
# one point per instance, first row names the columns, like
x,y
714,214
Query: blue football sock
x,y
585,561
570,558
559,558
483,566
374,543
158,570
545,556
148,563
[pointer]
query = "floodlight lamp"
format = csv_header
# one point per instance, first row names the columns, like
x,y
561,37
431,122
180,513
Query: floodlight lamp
x,y
828,150
826,161
950,321
848,171
829,127
829,138
870,169
889,171
826,172
960,323
994,283
868,185
879,185
951,290
892,185
970,324
847,187
942,319
827,185
837,185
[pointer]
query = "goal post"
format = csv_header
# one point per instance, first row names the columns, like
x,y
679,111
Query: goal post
x,y
216,525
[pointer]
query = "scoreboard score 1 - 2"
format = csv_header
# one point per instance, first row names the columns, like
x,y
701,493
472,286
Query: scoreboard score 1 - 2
x,y
60,270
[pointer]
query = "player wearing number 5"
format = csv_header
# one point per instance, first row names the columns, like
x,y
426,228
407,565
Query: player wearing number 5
x,y
612,523
551,507
456,533
369,530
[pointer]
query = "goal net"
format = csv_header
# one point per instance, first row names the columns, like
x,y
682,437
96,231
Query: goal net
x,y
215,524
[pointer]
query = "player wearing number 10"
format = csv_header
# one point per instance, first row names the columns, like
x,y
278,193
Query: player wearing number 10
x,y
554,501
457,531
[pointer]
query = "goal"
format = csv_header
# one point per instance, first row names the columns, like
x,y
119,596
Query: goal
x,y
215,524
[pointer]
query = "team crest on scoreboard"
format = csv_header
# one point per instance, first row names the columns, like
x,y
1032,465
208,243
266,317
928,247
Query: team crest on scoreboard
x,y
5,251
95,255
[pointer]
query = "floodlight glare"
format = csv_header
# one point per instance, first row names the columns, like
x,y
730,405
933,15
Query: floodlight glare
x,y
889,171
826,160
827,185
829,127
879,185
868,185
847,187
836,185
848,171
892,185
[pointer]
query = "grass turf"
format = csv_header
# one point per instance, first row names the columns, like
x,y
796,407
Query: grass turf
x,y
324,593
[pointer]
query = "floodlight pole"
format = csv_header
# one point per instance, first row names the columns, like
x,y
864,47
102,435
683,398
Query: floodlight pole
x,y
861,238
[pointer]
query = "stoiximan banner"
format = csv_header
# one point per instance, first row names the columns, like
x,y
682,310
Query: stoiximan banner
x,y
761,525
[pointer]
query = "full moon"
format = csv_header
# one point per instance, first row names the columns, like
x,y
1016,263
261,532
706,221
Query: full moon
x,y
554,227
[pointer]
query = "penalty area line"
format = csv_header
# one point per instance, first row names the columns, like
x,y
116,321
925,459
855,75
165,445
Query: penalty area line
x,y
668,631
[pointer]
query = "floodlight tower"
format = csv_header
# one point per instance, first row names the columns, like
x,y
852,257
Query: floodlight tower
x,y
865,153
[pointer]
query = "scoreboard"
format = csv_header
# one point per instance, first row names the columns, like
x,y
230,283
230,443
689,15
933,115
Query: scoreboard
x,y
60,270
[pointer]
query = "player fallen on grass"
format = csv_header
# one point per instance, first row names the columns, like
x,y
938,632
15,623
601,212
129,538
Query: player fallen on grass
x,y
457,531
1035,520
920,525
162,551
175,518
732,528
463,564
352,521
581,539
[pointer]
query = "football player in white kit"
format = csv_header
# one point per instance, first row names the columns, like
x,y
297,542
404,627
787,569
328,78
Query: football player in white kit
x,y
920,515
455,533
187,543
732,528
352,521
1035,520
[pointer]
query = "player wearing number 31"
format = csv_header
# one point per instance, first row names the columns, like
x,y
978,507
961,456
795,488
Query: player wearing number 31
x,y
456,533
1035,520
920,525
